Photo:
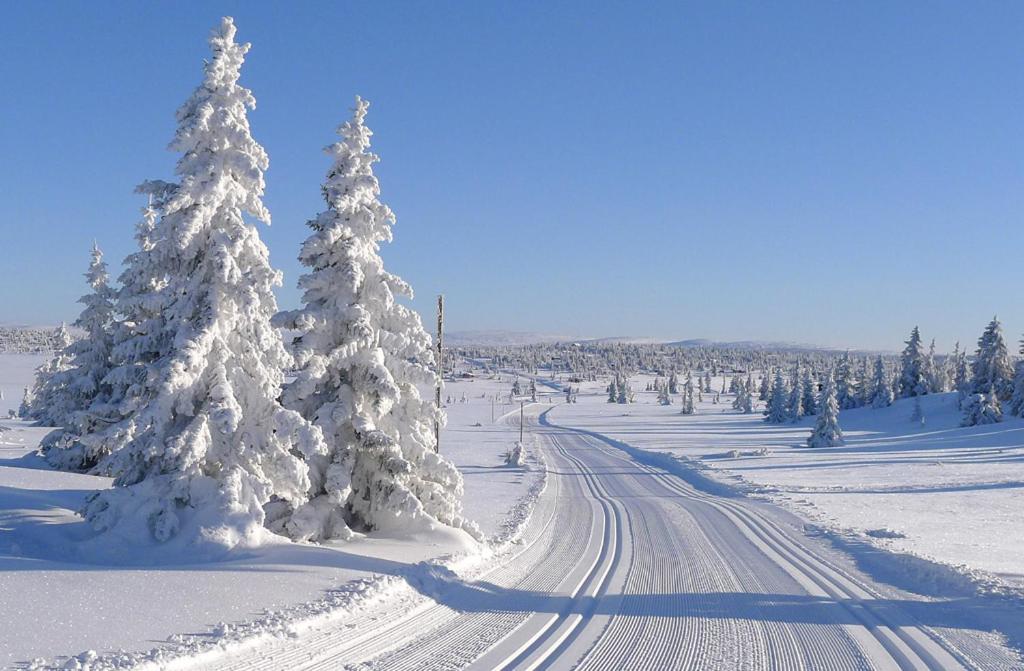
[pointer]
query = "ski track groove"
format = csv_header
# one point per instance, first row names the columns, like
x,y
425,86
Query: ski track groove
x,y
633,557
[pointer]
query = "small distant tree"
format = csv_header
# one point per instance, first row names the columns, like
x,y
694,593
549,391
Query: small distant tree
x,y
796,397
613,391
765,387
673,383
777,411
810,392
846,384
687,407
917,417
826,431
881,396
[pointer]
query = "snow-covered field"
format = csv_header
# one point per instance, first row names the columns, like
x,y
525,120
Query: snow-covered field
x,y
934,490
61,596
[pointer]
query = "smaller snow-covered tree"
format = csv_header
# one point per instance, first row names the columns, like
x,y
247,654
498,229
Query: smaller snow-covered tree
x,y
765,387
982,409
47,388
881,397
912,378
613,391
82,385
917,417
795,409
687,407
777,411
846,384
826,431
992,370
810,392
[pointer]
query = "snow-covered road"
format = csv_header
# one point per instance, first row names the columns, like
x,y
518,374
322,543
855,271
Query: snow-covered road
x,y
627,567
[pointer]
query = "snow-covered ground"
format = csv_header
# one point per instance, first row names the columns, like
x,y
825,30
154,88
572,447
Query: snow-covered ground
x,y
935,490
16,373
60,596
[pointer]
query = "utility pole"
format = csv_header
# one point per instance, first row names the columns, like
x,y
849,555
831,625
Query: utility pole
x,y
440,369
522,404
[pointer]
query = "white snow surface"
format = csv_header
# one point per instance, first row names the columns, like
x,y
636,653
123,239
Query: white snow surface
x,y
936,490
62,597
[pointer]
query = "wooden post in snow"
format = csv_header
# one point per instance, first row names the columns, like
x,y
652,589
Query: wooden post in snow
x,y
440,369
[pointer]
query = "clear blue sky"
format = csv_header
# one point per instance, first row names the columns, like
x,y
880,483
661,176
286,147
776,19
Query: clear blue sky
x,y
815,171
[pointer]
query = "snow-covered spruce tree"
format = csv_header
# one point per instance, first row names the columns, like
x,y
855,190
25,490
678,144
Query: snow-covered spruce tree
x,y
211,446
777,411
41,399
1017,399
982,409
795,407
846,384
81,387
809,386
765,387
686,403
959,371
673,383
361,356
913,380
937,381
881,396
991,370
139,339
826,431
613,391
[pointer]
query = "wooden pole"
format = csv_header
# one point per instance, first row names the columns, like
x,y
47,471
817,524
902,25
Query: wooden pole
x,y
440,369
522,404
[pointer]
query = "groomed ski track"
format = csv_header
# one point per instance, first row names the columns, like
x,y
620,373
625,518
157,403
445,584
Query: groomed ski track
x,y
625,566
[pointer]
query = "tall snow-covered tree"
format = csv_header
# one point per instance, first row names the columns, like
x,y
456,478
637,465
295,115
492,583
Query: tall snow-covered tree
x,y
82,385
881,395
913,380
613,391
826,431
777,411
362,358
991,369
211,445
